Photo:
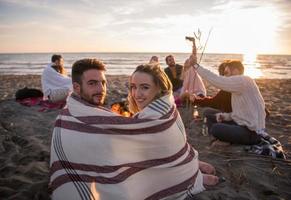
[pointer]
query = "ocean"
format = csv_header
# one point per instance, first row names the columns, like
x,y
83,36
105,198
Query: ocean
x,y
256,66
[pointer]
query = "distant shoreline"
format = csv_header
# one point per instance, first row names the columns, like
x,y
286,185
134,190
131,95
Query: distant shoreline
x,y
9,84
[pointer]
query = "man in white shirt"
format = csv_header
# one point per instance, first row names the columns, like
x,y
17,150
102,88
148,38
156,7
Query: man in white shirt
x,y
246,122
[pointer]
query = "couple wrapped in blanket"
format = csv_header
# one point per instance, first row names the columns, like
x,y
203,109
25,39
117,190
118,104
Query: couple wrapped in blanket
x,y
98,154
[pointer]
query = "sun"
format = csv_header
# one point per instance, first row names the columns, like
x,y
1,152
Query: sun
x,y
252,67
247,31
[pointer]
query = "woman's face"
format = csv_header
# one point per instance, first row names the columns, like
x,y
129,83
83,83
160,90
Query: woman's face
x,y
143,89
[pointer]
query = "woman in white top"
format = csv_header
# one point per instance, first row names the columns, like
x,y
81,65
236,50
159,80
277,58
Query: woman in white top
x,y
56,85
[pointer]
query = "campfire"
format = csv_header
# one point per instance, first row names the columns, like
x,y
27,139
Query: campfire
x,y
121,108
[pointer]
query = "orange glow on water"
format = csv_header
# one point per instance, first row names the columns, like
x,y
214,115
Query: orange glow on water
x,y
252,68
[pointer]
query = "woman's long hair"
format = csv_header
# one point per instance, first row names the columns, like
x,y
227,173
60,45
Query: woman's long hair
x,y
160,79
60,69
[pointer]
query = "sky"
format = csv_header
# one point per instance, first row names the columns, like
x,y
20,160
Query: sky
x,y
233,26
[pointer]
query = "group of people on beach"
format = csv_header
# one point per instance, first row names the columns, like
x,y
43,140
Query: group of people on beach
x,y
99,154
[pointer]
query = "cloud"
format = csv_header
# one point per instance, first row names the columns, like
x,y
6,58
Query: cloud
x,y
139,23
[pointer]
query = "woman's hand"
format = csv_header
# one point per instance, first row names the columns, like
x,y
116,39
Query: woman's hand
x,y
192,60
193,57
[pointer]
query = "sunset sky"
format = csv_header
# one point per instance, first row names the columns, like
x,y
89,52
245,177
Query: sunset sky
x,y
238,26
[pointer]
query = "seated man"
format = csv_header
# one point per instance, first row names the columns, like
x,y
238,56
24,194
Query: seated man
x,y
220,102
56,85
246,122
174,73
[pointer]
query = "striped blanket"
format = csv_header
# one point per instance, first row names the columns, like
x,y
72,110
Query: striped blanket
x,y
97,154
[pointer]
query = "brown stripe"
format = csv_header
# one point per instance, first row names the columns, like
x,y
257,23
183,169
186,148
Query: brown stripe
x,y
65,178
174,189
114,119
189,157
121,177
84,128
134,168
109,169
77,98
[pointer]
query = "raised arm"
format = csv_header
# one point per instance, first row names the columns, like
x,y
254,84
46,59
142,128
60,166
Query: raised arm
x,y
230,84
187,64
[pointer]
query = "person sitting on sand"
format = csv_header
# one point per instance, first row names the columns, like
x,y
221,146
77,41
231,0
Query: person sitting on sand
x,y
246,122
192,82
154,60
174,72
220,102
150,96
98,154
56,85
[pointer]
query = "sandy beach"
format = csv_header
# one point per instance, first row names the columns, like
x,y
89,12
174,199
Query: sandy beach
x,y
25,135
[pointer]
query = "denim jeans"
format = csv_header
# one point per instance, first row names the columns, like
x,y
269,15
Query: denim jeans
x,y
230,131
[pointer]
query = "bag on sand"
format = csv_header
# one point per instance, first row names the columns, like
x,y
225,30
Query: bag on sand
x,y
27,93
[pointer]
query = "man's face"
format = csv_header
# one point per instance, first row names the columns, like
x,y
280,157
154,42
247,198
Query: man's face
x,y
93,87
229,72
171,61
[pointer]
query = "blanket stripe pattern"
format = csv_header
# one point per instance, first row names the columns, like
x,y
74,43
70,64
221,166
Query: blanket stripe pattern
x,y
97,154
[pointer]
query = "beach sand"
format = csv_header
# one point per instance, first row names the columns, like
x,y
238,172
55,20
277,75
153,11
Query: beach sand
x,y
25,135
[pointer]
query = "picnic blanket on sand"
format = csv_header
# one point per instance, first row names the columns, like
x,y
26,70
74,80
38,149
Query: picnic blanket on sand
x,y
97,154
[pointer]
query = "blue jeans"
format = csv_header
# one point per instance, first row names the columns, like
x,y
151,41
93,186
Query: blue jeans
x,y
229,131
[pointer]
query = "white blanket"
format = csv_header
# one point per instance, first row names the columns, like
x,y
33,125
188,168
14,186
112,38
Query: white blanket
x,y
97,154
52,80
193,83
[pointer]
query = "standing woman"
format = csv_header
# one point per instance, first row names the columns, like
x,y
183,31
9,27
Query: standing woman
x,y
150,97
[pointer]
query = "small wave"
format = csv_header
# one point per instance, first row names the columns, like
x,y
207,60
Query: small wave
x,y
22,63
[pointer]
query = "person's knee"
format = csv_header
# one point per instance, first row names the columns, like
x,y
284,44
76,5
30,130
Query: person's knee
x,y
216,130
208,112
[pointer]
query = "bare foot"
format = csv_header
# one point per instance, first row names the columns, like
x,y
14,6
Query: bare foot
x,y
218,143
206,168
210,180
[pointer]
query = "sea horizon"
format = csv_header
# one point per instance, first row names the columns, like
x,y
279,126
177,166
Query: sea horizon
x,y
142,52
124,63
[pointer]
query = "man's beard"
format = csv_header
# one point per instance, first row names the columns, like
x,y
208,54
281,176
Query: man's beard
x,y
90,98
172,65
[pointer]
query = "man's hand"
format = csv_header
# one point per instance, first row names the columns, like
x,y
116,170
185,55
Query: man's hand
x,y
220,117
193,96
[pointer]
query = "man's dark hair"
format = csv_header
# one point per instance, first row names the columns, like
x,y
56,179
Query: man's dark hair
x,y
222,66
168,58
56,57
235,64
80,66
